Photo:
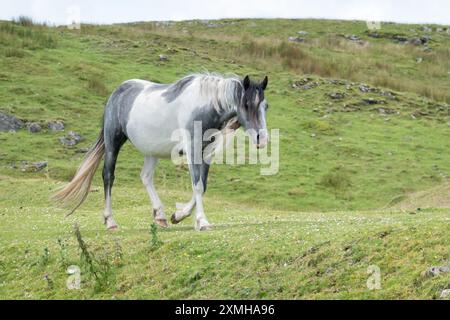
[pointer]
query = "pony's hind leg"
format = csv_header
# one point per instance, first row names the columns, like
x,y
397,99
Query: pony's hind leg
x,y
147,180
112,148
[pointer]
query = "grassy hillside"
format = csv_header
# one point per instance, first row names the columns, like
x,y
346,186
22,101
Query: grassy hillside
x,y
364,125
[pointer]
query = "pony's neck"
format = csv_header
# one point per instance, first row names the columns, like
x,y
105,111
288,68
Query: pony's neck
x,y
226,115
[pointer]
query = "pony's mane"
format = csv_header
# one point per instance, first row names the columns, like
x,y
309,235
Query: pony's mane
x,y
223,91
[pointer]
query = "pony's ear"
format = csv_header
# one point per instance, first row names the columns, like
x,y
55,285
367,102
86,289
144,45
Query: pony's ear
x,y
246,82
264,83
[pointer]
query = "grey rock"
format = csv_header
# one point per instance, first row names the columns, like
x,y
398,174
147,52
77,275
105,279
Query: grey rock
x,y
366,89
448,31
439,29
427,29
401,39
82,150
66,142
71,139
425,39
302,33
436,271
55,125
336,95
337,82
163,57
419,59
386,111
372,101
389,95
9,123
375,35
305,84
34,127
296,39
352,37
33,167
416,41
445,293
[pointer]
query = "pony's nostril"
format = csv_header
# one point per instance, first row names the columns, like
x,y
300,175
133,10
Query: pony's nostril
x,y
257,139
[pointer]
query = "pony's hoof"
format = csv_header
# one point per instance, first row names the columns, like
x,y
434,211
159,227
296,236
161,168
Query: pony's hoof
x,y
206,227
174,220
113,228
111,225
162,223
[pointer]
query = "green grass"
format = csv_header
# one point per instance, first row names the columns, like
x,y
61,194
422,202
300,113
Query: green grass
x,y
311,231
252,253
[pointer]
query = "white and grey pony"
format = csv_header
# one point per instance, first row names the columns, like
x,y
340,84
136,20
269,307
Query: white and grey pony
x,y
148,113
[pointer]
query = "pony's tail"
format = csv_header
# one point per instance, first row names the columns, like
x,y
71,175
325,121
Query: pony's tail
x,y
76,191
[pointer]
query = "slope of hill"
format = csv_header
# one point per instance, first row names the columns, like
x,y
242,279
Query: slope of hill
x,y
363,121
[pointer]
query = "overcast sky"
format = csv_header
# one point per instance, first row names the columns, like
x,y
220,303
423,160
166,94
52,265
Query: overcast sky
x,y
104,11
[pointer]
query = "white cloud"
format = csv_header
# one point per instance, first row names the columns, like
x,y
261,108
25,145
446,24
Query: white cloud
x,y
104,11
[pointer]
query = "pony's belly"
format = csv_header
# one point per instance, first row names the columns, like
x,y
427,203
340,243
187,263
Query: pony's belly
x,y
152,141
150,129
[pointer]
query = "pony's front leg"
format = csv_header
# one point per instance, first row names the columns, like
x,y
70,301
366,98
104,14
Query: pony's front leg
x,y
183,211
199,175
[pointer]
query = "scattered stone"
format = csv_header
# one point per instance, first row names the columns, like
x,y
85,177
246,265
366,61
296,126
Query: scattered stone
x,y
163,57
416,41
33,167
375,35
445,293
302,33
82,150
9,123
436,271
439,30
296,39
337,82
448,31
401,39
385,111
352,37
34,127
71,139
425,39
336,95
55,125
419,59
427,29
389,95
422,41
372,101
305,84
366,89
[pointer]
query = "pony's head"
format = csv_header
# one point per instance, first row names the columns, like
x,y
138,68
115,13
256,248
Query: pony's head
x,y
251,112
